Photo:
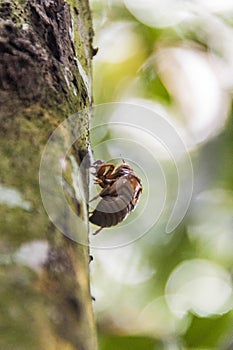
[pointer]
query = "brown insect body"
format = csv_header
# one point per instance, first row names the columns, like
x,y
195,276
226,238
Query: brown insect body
x,y
121,189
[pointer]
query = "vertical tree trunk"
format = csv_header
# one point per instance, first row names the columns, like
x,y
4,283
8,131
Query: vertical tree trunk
x,y
45,76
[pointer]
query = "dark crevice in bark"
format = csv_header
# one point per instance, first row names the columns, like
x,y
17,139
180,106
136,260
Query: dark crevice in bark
x,y
36,55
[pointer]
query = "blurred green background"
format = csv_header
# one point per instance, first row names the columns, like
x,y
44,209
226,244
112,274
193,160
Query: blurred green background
x,y
168,291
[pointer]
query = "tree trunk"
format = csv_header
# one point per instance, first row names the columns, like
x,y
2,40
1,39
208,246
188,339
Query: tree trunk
x,y
45,75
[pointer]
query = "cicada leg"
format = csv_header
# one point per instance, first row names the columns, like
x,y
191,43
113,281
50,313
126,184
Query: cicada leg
x,y
94,198
97,231
101,194
105,170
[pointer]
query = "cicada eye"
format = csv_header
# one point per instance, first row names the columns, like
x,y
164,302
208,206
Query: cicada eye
x,y
97,163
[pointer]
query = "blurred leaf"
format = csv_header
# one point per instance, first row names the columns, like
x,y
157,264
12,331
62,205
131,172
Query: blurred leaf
x,y
153,87
208,332
128,343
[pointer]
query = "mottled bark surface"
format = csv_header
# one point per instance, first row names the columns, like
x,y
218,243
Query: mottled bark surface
x,y
45,76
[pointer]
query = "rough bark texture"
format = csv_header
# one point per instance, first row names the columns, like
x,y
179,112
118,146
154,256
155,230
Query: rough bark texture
x,y
45,75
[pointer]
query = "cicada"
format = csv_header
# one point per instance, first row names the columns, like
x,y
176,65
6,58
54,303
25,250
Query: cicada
x,y
121,189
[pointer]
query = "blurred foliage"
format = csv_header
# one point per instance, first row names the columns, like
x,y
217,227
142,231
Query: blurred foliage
x,y
208,332
133,306
130,343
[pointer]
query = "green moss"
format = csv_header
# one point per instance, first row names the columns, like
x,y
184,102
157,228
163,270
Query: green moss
x,y
18,225
15,10
17,320
20,162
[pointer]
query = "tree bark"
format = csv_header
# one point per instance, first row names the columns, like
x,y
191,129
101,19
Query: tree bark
x,y
45,76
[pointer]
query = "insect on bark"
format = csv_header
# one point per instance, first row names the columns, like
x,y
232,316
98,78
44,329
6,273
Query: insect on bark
x,y
121,189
